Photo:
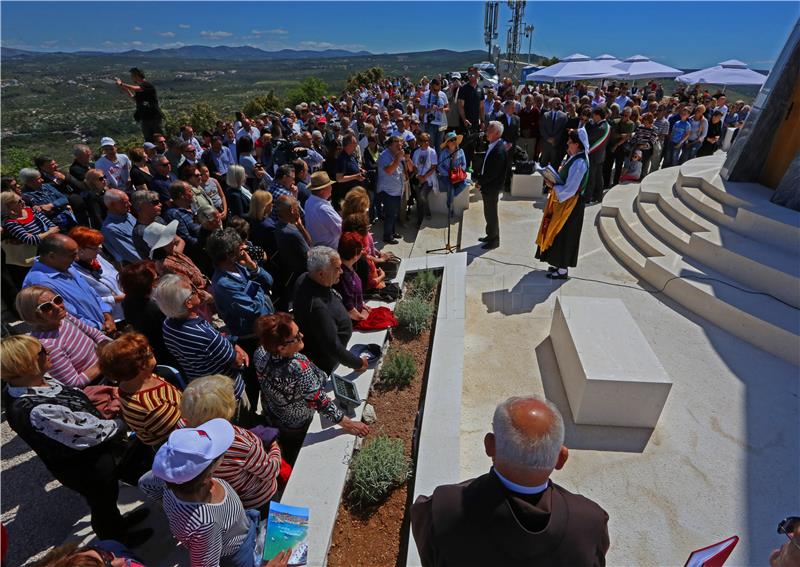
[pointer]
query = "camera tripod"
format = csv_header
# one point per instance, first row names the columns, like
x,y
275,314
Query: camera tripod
x,y
447,248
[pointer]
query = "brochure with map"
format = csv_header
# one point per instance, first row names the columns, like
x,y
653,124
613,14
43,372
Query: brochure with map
x,y
287,527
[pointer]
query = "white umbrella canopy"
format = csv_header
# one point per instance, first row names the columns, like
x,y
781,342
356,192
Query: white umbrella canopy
x,y
573,68
731,72
606,65
640,67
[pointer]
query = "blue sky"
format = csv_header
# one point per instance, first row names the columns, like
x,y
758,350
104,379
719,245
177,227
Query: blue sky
x,y
751,31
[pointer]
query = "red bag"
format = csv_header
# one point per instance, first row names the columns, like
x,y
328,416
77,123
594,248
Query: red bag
x,y
379,318
457,175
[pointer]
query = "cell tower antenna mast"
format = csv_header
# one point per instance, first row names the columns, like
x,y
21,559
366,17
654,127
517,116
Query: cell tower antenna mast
x,y
515,31
490,15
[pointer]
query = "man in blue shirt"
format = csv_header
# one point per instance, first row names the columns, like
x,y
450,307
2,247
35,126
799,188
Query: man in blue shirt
x,y
163,178
681,131
189,230
54,204
323,223
53,270
118,227
218,158
348,173
390,185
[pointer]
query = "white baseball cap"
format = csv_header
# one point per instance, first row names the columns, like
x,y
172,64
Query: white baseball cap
x,y
107,142
190,451
157,235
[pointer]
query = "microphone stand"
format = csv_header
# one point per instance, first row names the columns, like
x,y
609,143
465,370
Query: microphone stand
x,y
447,248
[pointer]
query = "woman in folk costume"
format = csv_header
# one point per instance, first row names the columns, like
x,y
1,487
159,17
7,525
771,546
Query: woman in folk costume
x,y
560,234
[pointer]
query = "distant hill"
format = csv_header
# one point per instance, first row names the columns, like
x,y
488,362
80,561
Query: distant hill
x,y
224,52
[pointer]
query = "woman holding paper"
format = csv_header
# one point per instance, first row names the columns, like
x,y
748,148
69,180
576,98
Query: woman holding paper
x,y
560,233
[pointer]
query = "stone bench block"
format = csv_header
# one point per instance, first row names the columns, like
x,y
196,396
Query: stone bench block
x,y
611,375
438,203
526,186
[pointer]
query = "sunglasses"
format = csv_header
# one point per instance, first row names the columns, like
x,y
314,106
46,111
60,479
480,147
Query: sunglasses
x,y
49,306
787,526
155,202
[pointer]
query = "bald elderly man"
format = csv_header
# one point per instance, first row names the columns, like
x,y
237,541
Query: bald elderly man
x,y
514,515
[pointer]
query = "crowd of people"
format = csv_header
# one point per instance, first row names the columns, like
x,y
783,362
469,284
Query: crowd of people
x,y
185,300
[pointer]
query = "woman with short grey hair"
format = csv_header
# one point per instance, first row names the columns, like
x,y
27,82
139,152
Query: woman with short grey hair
x,y
197,346
238,194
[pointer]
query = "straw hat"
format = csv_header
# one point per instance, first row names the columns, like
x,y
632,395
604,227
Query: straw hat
x,y
452,136
320,180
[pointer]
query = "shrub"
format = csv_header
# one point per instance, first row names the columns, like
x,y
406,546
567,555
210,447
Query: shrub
x,y
15,159
310,89
398,369
414,314
376,469
424,284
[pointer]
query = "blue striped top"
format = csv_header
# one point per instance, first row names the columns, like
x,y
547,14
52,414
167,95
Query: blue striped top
x,y
201,350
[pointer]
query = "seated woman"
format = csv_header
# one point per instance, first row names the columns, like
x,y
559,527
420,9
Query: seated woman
x,y
204,513
213,189
23,228
71,344
199,348
237,193
164,243
372,277
262,226
255,250
150,405
349,284
292,387
141,312
99,273
249,467
65,430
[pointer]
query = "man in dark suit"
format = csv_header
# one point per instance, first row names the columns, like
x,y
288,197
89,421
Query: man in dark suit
x,y
514,515
553,131
491,181
510,136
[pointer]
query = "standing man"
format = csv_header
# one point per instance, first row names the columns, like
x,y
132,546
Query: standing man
x,y
218,159
147,112
348,172
529,127
391,184
510,136
553,132
514,514
599,133
491,181
470,109
434,107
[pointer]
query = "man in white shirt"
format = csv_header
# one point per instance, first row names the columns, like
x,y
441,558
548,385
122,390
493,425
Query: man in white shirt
x,y
433,105
115,167
425,162
187,135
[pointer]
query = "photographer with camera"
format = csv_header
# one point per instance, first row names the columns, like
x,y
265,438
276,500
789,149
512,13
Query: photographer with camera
x,y
348,172
434,108
391,184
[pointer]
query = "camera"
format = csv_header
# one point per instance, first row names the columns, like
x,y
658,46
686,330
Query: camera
x,y
430,117
406,148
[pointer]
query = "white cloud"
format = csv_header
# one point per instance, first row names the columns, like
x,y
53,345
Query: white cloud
x,y
328,45
215,34
137,43
137,29
166,34
184,26
275,31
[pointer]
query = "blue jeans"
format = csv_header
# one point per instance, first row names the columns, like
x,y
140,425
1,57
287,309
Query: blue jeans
x,y
391,210
436,136
245,555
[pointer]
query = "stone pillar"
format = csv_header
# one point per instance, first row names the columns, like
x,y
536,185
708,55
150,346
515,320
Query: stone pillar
x,y
749,151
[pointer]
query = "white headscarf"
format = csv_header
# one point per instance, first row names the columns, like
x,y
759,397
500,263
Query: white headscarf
x,y
584,138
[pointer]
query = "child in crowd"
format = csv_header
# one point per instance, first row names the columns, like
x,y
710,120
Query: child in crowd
x,y
632,170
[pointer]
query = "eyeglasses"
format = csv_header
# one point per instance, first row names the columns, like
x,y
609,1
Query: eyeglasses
x,y
296,339
787,526
155,202
49,306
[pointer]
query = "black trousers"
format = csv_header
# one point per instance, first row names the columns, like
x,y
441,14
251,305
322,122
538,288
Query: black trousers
x,y
151,127
490,202
594,189
468,145
97,483
619,159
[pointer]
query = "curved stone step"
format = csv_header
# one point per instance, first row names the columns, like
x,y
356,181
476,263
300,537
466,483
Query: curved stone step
x,y
758,319
736,256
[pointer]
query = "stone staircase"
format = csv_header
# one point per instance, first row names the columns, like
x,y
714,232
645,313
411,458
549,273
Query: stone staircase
x,y
719,249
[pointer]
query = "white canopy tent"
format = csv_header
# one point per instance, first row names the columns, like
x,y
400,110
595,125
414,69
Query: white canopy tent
x,y
574,68
731,72
607,64
640,67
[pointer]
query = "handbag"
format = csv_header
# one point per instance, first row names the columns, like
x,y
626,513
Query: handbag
x,y
457,175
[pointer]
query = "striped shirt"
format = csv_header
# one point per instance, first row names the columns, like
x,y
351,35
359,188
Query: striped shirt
x,y
209,531
201,350
27,228
152,413
250,469
72,349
